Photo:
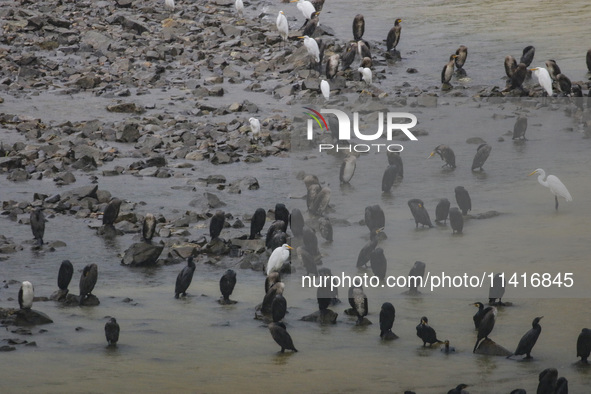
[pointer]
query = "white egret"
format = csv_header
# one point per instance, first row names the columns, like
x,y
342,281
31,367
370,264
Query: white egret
x,y
312,47
365,74
282,25
554,184
325,89
25,295
255,126
169,4
544,78
279,256
305,7
239,7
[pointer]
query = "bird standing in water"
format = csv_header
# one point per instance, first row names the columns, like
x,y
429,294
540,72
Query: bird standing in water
x,y
528,340
112,331
554,184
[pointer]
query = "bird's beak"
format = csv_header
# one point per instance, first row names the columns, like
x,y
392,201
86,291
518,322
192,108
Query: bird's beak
x,y
541,317
380,230
301,37
532,173
289,247
533,69
431,155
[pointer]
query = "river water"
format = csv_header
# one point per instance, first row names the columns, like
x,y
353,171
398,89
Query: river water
x,y
196,345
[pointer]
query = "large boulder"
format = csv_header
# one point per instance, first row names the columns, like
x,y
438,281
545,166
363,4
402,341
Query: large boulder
x,y
142,254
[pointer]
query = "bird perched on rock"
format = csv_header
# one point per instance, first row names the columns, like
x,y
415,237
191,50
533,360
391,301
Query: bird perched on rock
x,y
26,294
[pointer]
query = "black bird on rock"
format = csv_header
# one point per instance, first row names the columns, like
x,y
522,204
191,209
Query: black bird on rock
x,y
112,331
112,212
257,222
419,212
547,381
65,275
358,301
37,220
528,55
442,210
216,224
446,154
149,227
365,252
584,345
281,213
394,35
463,199
489,316
184,278
278,308
87,281
358,27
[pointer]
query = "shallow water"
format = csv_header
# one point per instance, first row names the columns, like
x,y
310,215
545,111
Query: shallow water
x,y
196,345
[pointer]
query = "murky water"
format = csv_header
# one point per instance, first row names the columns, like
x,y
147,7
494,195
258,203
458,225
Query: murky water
x,y
196,345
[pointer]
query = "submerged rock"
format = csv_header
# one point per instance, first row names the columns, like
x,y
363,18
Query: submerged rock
x,y
326,316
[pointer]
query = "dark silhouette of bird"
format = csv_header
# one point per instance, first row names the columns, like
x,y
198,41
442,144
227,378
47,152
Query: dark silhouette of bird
x,y
227,283
389,177
112,331
374,218
442,210
281,336
564,84
528,55
378,263
393,37
387,317
277,288
271,279
419,212
37,220
312,24
149,227
348,57
216,224
324,297
365,252
310,242
426,332
296,222
278,308
281,213
65,275
87,281
257,222
308,261
446,154
529,339
510,66
112,212
520,128
274,228
347,170
588,59
463,199
358,301
184,278
517,78
547,381
456,220
325,228
448,71
584,345
332,66
461,56
478,315
486,325
446,348
358,27
459,389
552,68
394,158
482,153
561,386
415,277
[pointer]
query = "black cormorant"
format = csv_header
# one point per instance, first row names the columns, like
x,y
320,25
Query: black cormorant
x,y
274,290
324,297
564,84
419,212
482,153
459,389
365,252
308,261
462,55
281,213
520,128
517,77
271,279
584,345
561,386
87,281
510,66
296,222
184,278
281,336
378,263
26,294
448,70
363,49
529,339
358,27
320,203
310,27
547,381
426,332
217,224
358,301
389,177
112,331
442,210
227,283
387,317
446,154
374,218
325,228
456,220
347,168
478,315
486,325
528,55
552,68
278,308
111,212
65,275
348,56
415,277
394,35
394,158
257,222
446,348
148,227
463,199
37,220
589,60
275,227
310,241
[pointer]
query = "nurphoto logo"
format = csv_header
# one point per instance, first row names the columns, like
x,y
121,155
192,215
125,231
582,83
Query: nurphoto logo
x,y
343,133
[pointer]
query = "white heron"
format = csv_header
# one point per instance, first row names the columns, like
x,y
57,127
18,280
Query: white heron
x,y
169,4
25,295
312,47
279,256
282,25
325,89
365,74
239,7
305,7
554,184
544,79
255,126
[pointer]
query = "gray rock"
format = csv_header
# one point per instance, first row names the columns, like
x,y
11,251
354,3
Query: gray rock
x,y
489,347
30,317
129,133
323,317
142,254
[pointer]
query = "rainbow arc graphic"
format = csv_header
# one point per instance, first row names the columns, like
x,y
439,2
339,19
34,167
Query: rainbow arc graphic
x,y
317,117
